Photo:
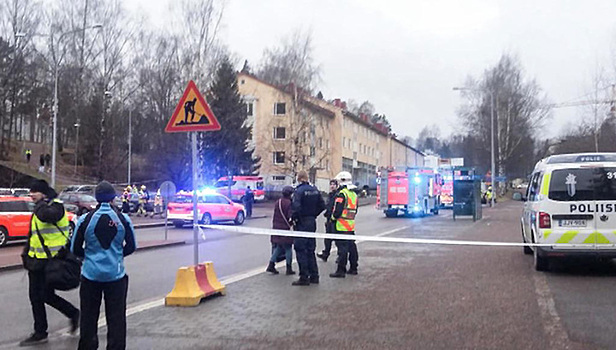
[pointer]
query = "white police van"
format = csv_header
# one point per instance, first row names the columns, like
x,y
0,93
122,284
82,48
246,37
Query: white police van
x,y
571,204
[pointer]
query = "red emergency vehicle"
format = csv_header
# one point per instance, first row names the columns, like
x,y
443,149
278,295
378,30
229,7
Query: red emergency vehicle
x,y
447,188
212,207
412,191
239,184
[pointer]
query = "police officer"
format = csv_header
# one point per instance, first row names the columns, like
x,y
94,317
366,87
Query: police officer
x,y
329,223
306,206
344,212
50,222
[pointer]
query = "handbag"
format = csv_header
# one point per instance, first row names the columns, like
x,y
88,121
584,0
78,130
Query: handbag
x,y
283,216
63,271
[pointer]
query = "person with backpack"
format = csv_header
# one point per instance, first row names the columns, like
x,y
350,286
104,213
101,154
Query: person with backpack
x,y
103,238
282,221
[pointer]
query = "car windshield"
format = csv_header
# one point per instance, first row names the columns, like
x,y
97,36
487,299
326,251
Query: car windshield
x,y
596,183
225,183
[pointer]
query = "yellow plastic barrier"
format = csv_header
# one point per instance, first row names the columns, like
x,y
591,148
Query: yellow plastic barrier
x,y
212,279
186,291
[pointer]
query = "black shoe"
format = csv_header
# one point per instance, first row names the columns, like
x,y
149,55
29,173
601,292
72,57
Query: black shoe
x,y
337,274
272,268
352,272
322,256
314,280
301,282
75,323
34,339
290,270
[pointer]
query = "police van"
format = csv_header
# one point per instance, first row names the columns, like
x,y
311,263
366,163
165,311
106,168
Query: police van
x,y
571,204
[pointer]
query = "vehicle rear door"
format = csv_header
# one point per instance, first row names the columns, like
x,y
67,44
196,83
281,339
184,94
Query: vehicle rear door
x,y
571,204
605,207
17,214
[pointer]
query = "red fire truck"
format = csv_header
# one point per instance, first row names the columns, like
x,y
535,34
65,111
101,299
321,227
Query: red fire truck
x,y
412,191
447,188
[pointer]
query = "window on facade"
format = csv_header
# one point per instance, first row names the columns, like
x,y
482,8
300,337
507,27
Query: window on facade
x,y
303,160
280,133
278,157
280,108
249,111
313,151
320,142
343,142
327,144
327,164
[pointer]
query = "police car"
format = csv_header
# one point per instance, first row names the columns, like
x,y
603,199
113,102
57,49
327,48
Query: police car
x,y
571,205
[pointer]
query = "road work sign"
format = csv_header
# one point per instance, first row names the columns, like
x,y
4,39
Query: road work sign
x,y
192,113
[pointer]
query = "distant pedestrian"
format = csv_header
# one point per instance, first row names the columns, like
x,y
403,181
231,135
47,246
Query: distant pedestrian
x,y
28,155
103,238
49,229
282,221
126,200
306,206
47,160
329,223
249,199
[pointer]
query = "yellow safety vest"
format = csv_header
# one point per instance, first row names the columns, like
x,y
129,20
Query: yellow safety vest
x,y
55,237
346,222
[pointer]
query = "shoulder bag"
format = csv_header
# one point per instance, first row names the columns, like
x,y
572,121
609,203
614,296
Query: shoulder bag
x,y
63,271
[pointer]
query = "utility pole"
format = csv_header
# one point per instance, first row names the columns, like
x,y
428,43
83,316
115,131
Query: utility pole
x,y
130,141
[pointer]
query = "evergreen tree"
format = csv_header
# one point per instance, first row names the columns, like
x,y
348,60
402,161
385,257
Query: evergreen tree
x,y
227,151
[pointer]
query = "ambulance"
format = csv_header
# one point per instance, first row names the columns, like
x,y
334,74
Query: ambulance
x,y
570,204
238,186
412,191
447,174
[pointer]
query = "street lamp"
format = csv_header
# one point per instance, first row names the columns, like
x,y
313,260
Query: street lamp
x,y
77,125
54,145
493,165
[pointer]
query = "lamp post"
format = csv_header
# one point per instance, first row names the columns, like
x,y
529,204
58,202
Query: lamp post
x,y
77,125
130,141
54,143
493,162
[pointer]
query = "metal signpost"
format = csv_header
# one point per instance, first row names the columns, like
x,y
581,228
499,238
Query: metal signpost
x,y
193,114
167,191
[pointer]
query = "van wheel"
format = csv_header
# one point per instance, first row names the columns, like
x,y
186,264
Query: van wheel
x,y
435,210
239,218
4,236
391,213
541,262
527,249
206,219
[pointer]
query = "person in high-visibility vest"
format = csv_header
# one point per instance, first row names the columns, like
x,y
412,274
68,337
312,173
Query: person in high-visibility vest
x,y
50,222
345,210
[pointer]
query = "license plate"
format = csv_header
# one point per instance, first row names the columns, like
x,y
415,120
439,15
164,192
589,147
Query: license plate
x,y
572,223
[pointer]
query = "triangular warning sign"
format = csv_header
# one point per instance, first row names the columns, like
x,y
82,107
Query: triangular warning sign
x,y
192,113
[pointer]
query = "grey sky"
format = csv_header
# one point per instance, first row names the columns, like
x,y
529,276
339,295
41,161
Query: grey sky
x,y
405,56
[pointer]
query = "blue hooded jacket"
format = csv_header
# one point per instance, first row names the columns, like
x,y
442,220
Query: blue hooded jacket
x,y
104,233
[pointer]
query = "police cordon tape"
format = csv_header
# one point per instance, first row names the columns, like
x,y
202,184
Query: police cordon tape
x,y
272,232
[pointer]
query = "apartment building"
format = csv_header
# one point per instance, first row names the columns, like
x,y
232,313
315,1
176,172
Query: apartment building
x,y
294,131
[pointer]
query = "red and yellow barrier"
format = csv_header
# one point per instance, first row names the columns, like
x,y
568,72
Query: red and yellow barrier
x,y
193,283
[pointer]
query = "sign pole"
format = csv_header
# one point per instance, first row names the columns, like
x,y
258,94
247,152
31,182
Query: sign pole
x,y
166,219
195,212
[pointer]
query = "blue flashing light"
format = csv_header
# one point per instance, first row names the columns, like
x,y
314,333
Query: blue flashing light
x,y
206,191
417,208
417,179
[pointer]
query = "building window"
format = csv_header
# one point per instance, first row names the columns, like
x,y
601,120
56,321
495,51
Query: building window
x,y
278,157
280,108
327,144
327,164
343,142
320,142
313,151
304,160
249,111
280,133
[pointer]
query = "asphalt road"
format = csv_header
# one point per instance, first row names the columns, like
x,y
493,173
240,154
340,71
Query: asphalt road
x,y
459,297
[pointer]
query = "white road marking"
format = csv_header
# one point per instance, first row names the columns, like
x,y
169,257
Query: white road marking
x,y
552,325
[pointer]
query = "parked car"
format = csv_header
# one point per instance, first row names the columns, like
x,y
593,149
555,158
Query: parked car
x,y
213,207
84,202
15,214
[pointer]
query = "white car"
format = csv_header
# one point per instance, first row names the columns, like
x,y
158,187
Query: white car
x,y
571,204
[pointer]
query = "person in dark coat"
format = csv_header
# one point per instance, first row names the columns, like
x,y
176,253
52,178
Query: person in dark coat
x,y
282,221
249,199
329,223
306,206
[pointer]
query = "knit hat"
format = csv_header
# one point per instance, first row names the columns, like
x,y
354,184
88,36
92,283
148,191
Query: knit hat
x,y
40,186
287,191
104,192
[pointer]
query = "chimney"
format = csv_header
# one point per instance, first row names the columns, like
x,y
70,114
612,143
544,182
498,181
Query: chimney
x,y
343,105
337,102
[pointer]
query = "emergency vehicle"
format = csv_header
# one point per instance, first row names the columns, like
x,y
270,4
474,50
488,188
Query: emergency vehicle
x,y
413,191
571,205
15,214
239,185
212,207
447,173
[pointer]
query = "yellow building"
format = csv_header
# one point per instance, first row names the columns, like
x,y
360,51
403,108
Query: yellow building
x,y
294,131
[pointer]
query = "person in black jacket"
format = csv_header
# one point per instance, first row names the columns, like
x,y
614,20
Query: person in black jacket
x,y
307,205
329,224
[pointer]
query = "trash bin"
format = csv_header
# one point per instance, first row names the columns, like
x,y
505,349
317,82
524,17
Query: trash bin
x,y
467,198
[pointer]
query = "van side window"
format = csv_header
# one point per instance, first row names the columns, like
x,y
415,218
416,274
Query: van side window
x,y
533,187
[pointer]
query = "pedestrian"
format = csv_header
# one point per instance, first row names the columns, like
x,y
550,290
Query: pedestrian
x,y
126,200
282,221
329,223
158,205
47,160
103,238
49,230
249,199
143,201
345,210
28,155
42,163
307,204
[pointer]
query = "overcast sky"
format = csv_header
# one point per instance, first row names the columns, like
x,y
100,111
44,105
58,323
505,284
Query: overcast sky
x,y
405,56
